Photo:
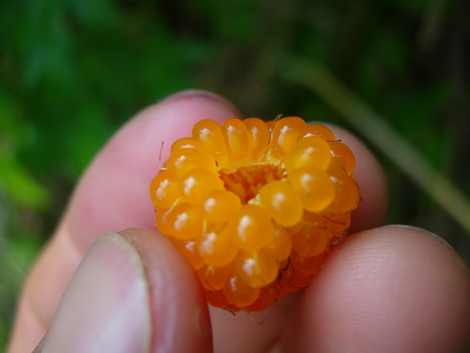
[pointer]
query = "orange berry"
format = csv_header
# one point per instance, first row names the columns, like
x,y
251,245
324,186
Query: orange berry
x,y
256,268
293,279
184,221
285,133
216,298
314,186
239,293
186,159
311,241
279,286
164,190
280,246
219,206
217,248
246,182
214,278
160,214
313,238
190,250
258,135
209,134
267,296
282,203
319,131
338,223
198,183
188,142
295,229
309,152
254,206
236,139
343,155
308,265
347,192
252,228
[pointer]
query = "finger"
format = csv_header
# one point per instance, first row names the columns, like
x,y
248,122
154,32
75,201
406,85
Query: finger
x,y
391,289
114,192
111,196
131,293
240,333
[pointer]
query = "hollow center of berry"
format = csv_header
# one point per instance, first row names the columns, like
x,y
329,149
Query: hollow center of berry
x,y
246,182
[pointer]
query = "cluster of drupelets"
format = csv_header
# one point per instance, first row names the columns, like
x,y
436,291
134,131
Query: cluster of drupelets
x,y
254,206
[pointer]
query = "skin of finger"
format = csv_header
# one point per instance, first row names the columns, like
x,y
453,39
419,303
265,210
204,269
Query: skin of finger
x,y
389,289
180,316
241,333
111,196
250,333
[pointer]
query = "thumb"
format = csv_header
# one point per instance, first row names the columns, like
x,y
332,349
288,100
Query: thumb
x,y
131,293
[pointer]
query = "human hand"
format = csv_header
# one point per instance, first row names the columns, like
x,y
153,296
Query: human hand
x,y
387,289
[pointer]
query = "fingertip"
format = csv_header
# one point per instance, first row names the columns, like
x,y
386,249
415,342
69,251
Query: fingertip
x,y
174,117
390,289
113,193
132,292
179,312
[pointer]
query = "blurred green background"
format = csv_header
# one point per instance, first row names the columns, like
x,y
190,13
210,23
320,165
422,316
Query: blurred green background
x,y
73,71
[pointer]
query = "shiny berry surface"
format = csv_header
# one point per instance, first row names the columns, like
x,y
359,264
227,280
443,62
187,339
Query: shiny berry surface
x,y
254,207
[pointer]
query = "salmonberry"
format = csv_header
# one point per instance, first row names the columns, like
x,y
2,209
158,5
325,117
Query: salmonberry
x,y
255,206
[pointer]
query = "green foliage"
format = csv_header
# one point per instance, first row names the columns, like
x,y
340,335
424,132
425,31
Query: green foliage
x,y
73,71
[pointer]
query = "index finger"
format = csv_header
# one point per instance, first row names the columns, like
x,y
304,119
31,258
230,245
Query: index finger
x,y
112,195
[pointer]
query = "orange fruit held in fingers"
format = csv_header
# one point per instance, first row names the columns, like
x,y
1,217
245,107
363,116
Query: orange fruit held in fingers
x,y
255,206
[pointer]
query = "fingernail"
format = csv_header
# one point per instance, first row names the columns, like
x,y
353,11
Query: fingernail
x,y
198,93
405,226
106,307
